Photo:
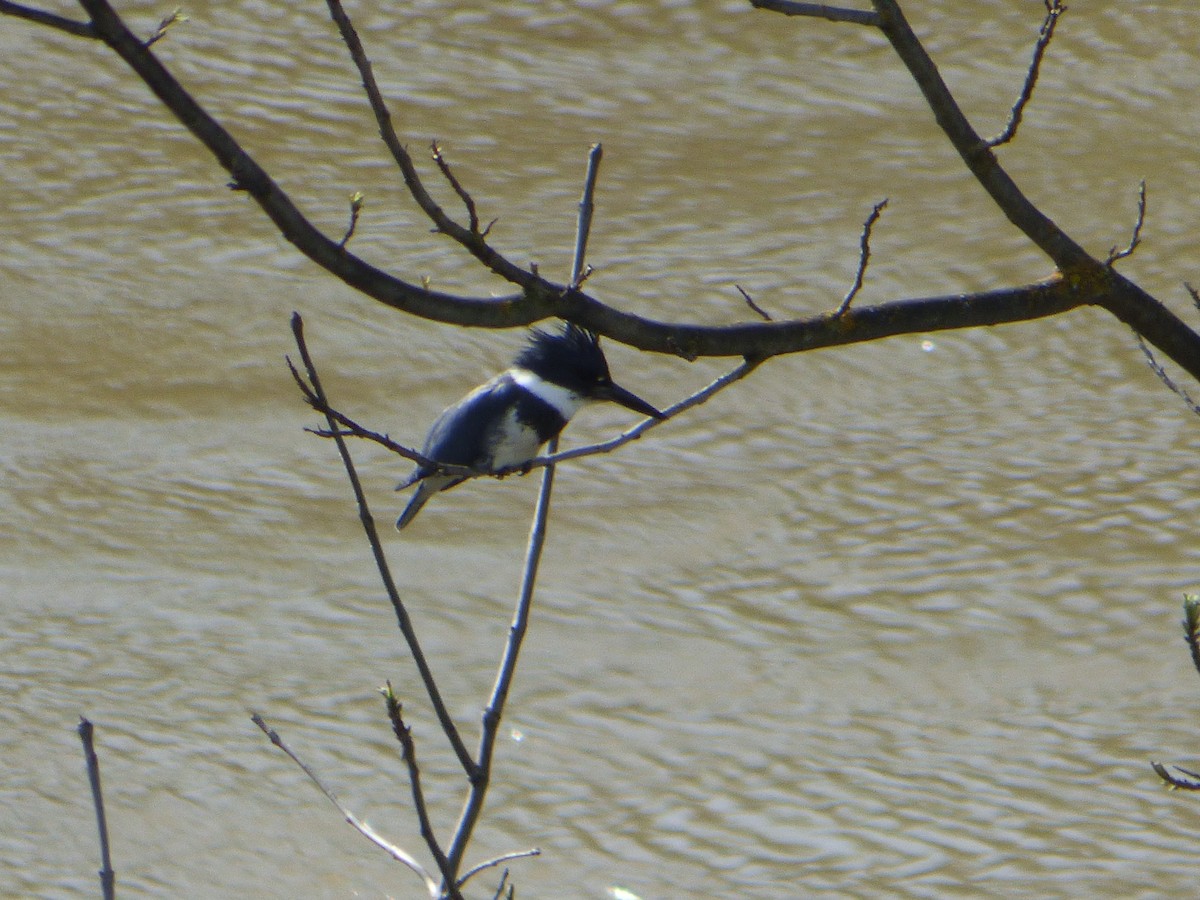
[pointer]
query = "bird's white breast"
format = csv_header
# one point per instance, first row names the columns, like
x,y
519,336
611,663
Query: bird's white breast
x,y
513,443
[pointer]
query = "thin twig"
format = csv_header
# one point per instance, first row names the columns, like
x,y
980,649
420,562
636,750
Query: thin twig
x,y
404,736
1166,379
463,195
583,225
52,20
864,255
754,306
1054,9
385,574
471,239
1194,293
356,205
175,18
353,429
361,827
500,887
108,878
492,863
1191,783
1136,238
819,11
632,434
494,710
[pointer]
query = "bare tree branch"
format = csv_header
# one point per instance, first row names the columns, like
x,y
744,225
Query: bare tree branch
x,y
864,255
385,573
975,151
168,22
499,860
583,224
409,753
357,824
52,20
356,205
495,708
108,878
1087,281
448,173
1136,238
763,314
1054,9
470,238
1157,369
1191,634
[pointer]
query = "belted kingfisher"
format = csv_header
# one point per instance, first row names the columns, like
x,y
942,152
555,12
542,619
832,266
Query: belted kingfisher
x,y
505,422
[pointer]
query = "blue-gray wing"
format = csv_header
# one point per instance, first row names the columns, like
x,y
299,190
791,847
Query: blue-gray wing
x,y
463,433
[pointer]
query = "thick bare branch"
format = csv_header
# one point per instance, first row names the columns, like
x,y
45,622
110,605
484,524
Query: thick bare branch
x,y
975,151
249,176
52,20
1086,280
470,238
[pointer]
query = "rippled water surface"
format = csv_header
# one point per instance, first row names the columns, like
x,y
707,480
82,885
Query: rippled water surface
x,y
898,619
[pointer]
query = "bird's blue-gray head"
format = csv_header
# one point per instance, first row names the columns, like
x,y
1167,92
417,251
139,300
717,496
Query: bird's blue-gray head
x,y
571,358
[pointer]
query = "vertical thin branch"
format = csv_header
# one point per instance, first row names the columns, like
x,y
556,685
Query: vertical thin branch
x,y
864,255
368,524
108,878
494,711
508,665
587,207
409,748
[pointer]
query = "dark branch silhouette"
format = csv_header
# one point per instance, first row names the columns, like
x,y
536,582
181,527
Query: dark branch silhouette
x,y
1082,279
1054,9
108,877
864,255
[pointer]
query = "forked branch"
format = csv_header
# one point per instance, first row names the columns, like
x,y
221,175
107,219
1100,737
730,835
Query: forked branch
x,y
1088,281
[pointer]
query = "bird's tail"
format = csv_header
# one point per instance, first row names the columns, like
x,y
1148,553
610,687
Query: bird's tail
x,y
425,490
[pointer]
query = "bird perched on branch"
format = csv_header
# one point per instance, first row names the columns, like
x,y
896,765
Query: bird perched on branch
x,y
504,422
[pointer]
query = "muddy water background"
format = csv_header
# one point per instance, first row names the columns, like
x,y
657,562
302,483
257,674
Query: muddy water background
x,y
891,620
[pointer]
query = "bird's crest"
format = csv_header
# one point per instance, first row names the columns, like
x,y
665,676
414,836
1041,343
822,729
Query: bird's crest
x,y
571,350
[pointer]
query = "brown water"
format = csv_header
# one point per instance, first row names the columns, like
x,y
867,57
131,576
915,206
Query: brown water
x,y
891,620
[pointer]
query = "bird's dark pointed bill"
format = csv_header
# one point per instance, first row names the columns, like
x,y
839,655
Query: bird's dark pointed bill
x,y
629,400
